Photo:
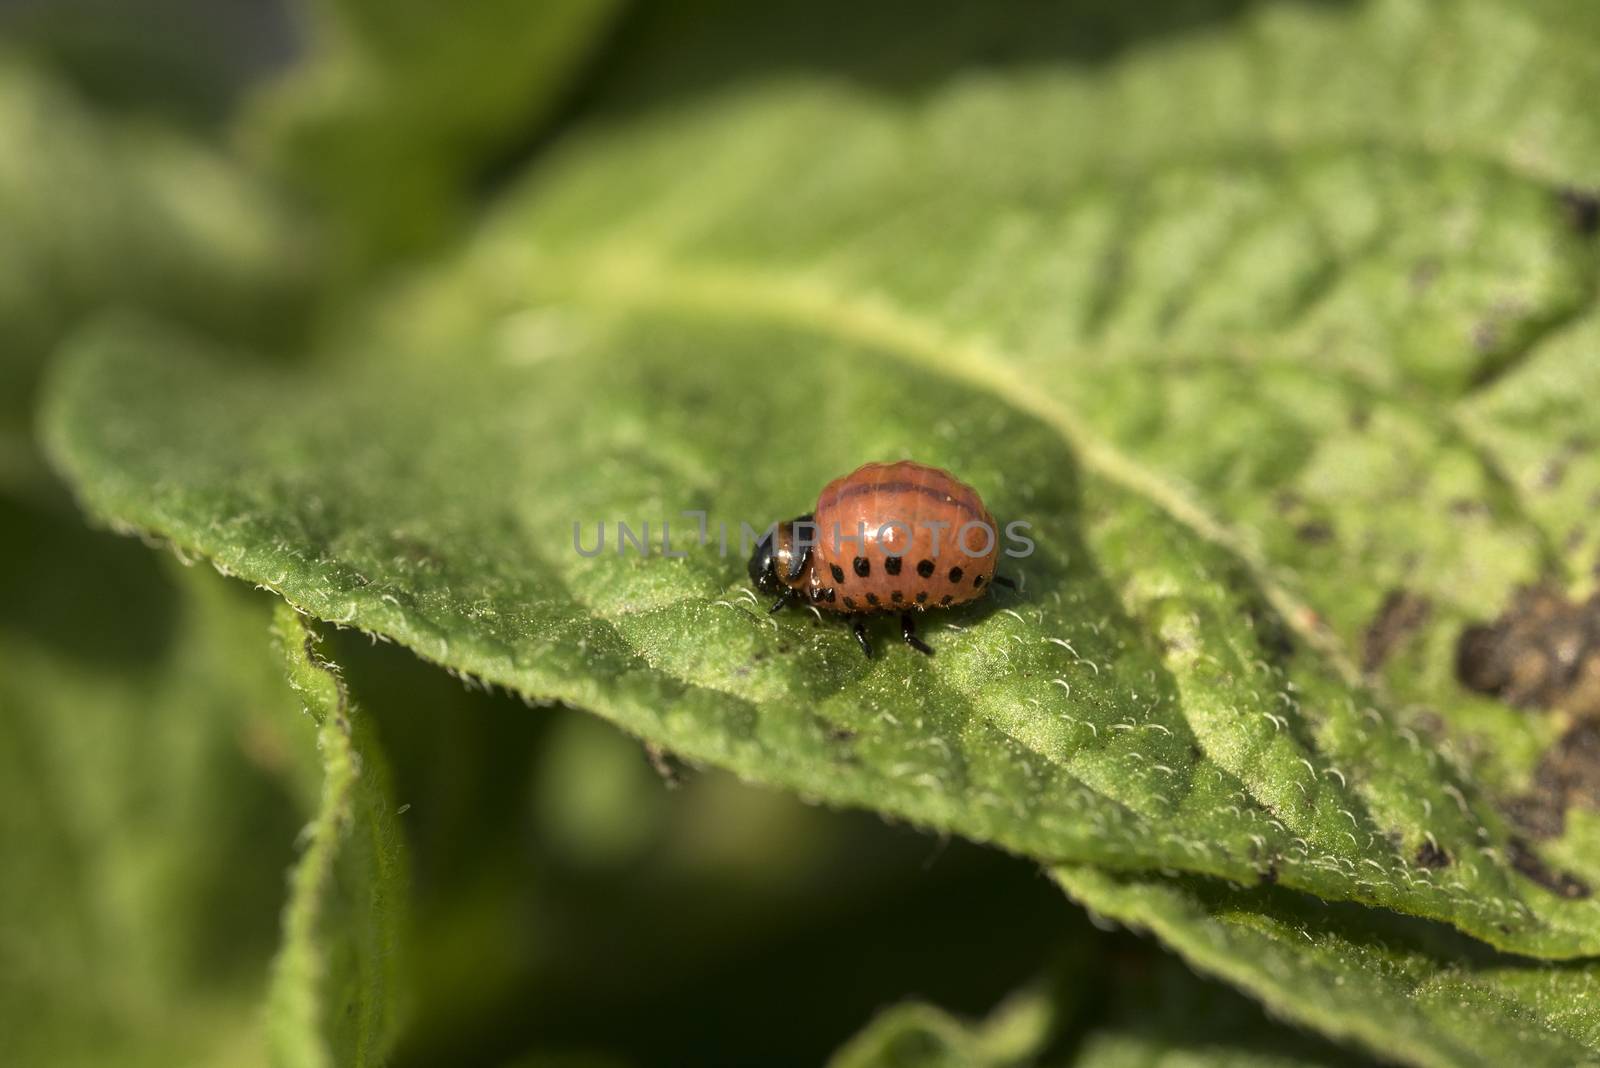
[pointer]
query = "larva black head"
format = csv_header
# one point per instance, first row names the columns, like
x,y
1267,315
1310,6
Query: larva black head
x,y
778,561
763,569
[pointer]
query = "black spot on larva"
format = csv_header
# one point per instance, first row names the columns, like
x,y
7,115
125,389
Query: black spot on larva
x,y
863,566
872,599
925,568
838,572
897,597
1430,855
946,599
977,582
850,603
955,574
892,565
828,593
922,598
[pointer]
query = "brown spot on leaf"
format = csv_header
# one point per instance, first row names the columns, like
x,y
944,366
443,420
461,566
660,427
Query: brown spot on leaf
x,y
1489,334
1555,467
1581,209
1528,863
1468,508
1543,652
1427,721
1568,774
1429,855
1401,615
1538,814
1314,532
1423,272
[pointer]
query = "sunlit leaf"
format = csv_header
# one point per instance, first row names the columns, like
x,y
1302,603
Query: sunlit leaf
x,y
1114,1009
1275,376
1407,991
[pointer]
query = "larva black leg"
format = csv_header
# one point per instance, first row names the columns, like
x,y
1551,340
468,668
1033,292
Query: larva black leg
x,y
858,627
908,631
783,602
1001,580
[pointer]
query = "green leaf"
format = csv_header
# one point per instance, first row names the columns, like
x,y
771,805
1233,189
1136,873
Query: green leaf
x,y
143,59
559,888
147,755
401,107
916,1033
1282,306
1533,420
1165,1015
335,982
1406,990
97,213
1137,708
1114,1008
692,307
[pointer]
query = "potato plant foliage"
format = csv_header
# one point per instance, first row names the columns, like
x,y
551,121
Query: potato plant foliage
x,y
1274,322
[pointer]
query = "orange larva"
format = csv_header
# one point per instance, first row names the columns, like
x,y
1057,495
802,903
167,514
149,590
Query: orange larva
x,y
900,537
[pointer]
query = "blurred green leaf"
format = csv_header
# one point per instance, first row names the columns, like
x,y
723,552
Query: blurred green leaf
x,y
919,1034
1116,1008
334,997
148,762
401,107
187,60
96,213
1408,991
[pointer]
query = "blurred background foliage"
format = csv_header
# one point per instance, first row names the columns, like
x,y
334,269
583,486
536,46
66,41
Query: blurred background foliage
x,y
245,167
